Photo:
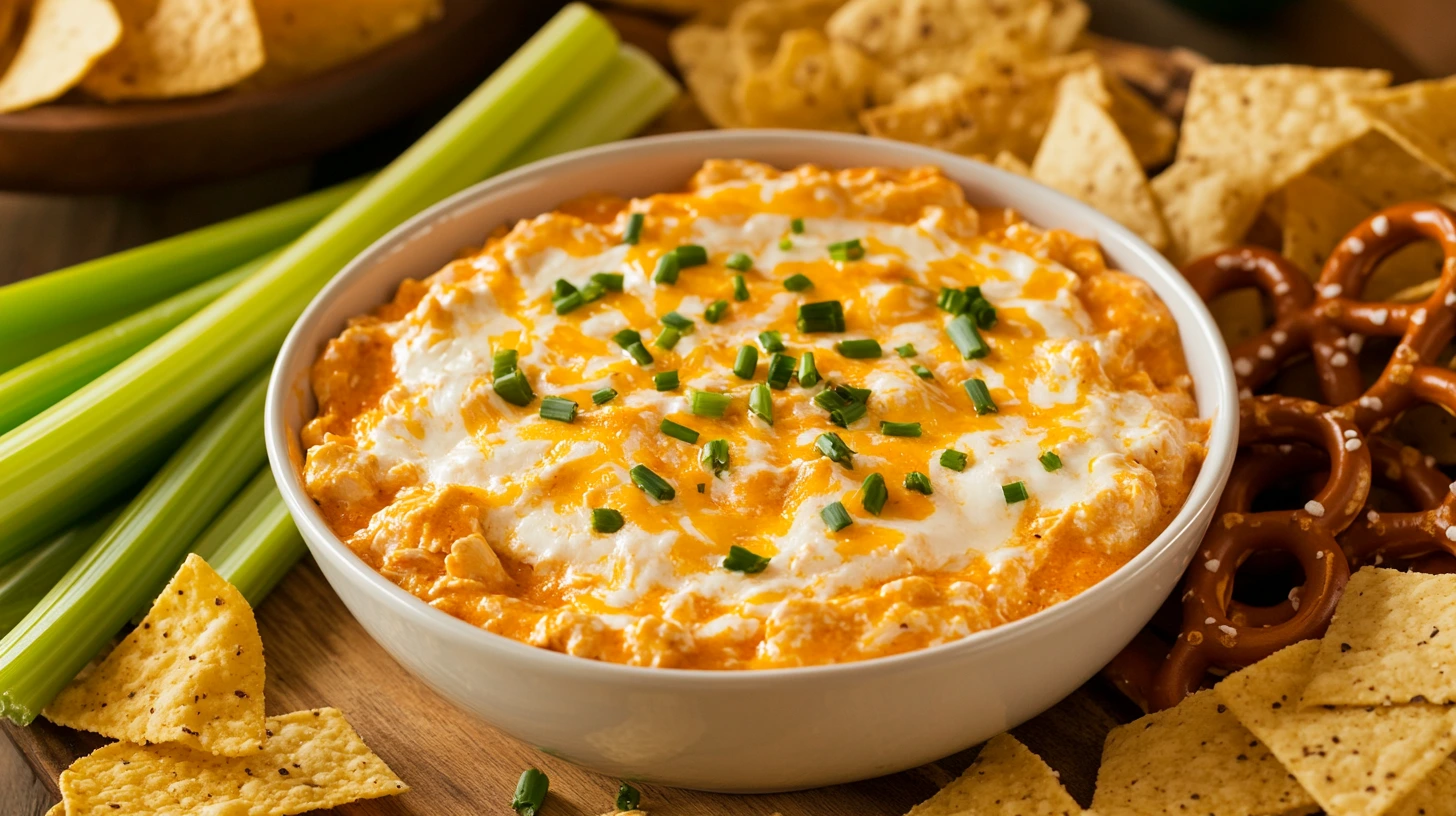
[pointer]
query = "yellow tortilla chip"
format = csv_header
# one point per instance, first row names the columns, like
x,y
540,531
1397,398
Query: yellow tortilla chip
x,y
757,26
1011,163
1205,208
308,38
191,673
1434,795
58,810
1085,156
1005,780
172,48
1353,761
811,83
918,38
1193,758
312,760
63,41
1393,640
1419,116
1317,215
1150,134
704,54
1382,173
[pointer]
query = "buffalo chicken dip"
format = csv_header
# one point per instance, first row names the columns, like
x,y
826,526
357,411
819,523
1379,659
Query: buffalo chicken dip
x,y
778,419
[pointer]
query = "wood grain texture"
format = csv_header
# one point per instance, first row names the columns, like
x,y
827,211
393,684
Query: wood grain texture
x,y
318,655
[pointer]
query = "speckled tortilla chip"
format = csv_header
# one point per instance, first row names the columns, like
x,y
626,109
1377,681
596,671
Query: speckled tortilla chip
x,y
1355,761
191,673
1316,216
757,26
1005,780
1419,116
59,809
1393,640
1011,163
1205,208
312,760
63,41
302,39
811,83
1085,156
1150,133
1193,758
704,54
1382,173
172,48
1433,796
918,38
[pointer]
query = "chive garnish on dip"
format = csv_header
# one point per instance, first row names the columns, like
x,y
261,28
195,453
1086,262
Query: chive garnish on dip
x,y
798,282
833,448
690,255
640,353
980,396
771,341
953,460
922,372
677,321
568,302
561,287
918,482
1050,461
606,520
835,517
796,226
739,261
808,375
780,371
1014,492
626,337
715,311
951,300
906,350
708,403
740,288
609,281
679,432
865,349
558,408
746,362
629,797
665,380
514,388
743,560
715,456
760,403
530,793
785,244
967,338
873,494
851,250
651,484
603,396
900,428
592,290
667,338
980,308
667,269
823,316
633,233
503,363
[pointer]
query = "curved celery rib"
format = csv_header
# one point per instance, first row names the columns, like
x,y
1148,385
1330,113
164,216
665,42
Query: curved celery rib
x,y
260,555
27,579
80,614
50,310
50,466
34,386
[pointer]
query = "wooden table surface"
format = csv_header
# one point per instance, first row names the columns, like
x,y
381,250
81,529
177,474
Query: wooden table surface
x,y
41,233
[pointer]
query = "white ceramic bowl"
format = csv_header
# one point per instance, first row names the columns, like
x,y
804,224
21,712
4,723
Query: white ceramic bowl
x,y
745,731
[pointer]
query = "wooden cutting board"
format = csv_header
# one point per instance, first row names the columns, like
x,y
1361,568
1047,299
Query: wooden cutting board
x,y
319,656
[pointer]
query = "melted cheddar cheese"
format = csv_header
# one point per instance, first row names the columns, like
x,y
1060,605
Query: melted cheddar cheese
x,y
484,509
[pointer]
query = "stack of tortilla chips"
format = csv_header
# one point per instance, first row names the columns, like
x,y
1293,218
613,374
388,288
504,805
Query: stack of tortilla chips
x,y
1360,723
183,694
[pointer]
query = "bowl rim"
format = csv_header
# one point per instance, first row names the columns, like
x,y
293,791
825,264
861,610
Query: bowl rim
x,y
1202,496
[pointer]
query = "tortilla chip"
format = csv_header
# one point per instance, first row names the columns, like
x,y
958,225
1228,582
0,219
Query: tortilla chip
x,y
1011,163
1317,216
302,39
811,83
1419,116
1353,761
172,48
1393,640
312,760
1193,758
704,54
757,26
64,40
918,38
191,673
1382,173
1205,208
1006,779
59,809
1085,156
1150,133
1434,795
1068,21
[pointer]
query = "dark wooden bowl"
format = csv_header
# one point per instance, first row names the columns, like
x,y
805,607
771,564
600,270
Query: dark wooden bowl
x,y
85,146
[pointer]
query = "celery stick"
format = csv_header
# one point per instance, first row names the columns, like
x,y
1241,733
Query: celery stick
x,y
81,613
258,557
34,386
50,310
632,92
27,579
50,465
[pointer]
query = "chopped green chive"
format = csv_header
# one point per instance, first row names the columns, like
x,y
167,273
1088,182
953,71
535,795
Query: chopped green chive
x,y
667,269
667,338
665,380
680,432
514,388
677,321
873,494
746,363
833,448
592,290
739,261
626,337
708,403
835,517
606,520
853,394
633,233
771,341
954,301
568,303
808,374
918,482
689,255
558,408
866,349
849,414
603,396
561,288
796,226
851,250
629,797
900,428
824,316
609,281
953,460
980,396
702,487
844,404
922,372
967,338
906,350
740,288
780,371
785,244
715,456
530,793
651,484
981,309
760,403
1050,461
798,283
715,311
1015,492
503,363
640,353
745,561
